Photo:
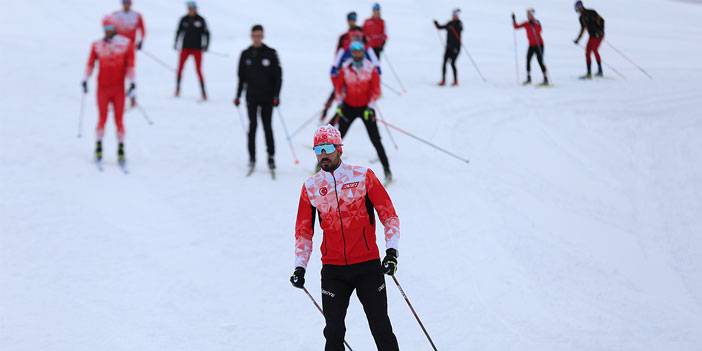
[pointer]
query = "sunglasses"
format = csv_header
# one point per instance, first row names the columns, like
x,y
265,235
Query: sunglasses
x,y
328,148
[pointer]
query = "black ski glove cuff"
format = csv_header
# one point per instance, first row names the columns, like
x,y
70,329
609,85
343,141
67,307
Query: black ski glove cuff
x,y
298,278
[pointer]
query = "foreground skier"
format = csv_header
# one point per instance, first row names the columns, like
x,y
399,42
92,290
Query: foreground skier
x,y
115,54
344,197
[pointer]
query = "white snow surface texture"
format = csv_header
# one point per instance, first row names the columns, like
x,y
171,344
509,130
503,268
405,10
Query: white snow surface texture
x,y
576,226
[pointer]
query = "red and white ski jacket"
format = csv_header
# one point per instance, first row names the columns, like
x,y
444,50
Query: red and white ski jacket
x,y
374,30
344,200
116,57
357,86
128,24
533,32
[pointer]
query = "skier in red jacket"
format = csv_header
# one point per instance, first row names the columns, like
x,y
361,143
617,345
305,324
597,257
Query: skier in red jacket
x,y
374,30
115,54
345,198
130,23
356,89
536,43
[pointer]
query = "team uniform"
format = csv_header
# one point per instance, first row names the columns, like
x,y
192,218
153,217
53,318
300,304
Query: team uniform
x,y
358,86
595,26
116,63
261,75
453,47
193,37
374,31
345,200
130,24
536,46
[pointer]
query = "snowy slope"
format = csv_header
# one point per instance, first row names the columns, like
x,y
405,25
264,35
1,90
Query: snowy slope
x,y
576,225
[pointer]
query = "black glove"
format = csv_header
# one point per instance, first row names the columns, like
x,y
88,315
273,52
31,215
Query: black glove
x,y
390,262
85,87
298,278
131,89
237,102
436,23
514,18
276,101
139,44
576,41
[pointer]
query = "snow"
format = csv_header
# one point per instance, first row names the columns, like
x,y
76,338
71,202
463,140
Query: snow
x,y
576,226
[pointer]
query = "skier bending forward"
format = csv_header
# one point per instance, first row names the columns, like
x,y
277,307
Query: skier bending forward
x,y
344,197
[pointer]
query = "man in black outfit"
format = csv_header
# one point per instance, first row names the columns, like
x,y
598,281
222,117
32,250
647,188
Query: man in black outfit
x,y
453,45
260,74
591,21
194,38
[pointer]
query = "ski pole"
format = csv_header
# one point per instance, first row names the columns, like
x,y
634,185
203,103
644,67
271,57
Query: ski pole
x,y
241,119
606,64
394,73
157,60
322,312
413,311
516,54
391,88
305,124
144,114
287,135
630,60
387,129
425,141
80,116
438,35
475,65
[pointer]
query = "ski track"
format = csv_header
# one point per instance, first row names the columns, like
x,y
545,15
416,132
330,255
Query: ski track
x,y
574,227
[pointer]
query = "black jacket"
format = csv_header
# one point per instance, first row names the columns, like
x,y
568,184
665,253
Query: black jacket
x,y
193,32
453,33
592,21
259,73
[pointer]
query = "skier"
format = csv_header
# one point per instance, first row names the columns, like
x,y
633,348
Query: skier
x,y
344,197
194,38
115,54
260,74
453,45
595,25
374,30
536,43
357,88
129,23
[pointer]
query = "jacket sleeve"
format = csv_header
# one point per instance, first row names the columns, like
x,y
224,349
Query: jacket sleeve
x,y
375,87
179,32
338,81
520,25
141,27
386,211
90,66
242,75
205,35
277,73
131,76
304,230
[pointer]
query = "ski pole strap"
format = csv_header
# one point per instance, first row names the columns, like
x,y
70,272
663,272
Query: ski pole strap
x,y
394,278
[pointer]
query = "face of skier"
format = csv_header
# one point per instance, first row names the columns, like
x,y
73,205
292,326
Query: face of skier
x,y
530,15
257,38
192,11
376,13
357,55
126,5
109,32
328,161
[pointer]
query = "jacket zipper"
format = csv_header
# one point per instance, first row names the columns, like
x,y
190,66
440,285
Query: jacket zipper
x,y
341,221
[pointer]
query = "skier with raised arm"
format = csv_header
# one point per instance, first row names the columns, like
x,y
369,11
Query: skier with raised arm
x,y
453,28
346,197
536,43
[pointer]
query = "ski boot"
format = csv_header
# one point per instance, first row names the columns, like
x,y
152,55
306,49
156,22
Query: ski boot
x,y
204,92
251,167
271,166
586,76
455,83
98,151
599,72
388,177
442,83
545,82
527,81
121,158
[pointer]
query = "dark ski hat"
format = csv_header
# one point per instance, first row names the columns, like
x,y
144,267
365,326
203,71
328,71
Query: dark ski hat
x,y
351,16
579,5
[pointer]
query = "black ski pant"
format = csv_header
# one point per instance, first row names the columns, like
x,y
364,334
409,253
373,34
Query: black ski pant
x,y
266,110
537,50
450,55
349,114
338,282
